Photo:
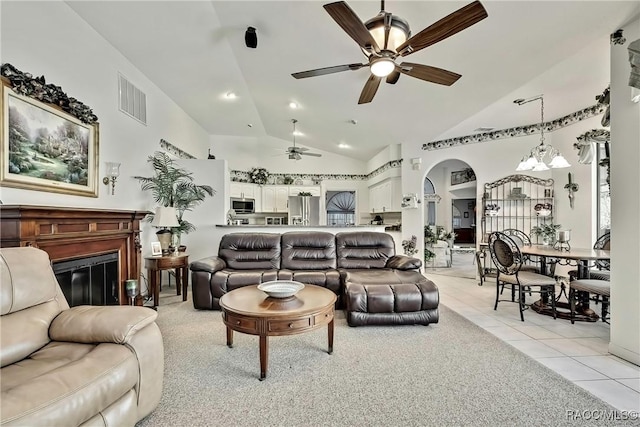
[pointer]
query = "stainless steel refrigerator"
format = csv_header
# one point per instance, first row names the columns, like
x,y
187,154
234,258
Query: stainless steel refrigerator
x,y
304,210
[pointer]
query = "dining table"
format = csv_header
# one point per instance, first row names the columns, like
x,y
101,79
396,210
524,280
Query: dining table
x,y
583,259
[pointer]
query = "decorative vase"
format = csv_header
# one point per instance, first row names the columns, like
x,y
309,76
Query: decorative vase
x,y
164,237
131,286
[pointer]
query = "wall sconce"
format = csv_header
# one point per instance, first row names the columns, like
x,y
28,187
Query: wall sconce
x,y
113,171
416,163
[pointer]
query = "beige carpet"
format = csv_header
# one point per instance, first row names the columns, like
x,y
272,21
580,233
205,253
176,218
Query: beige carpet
x,y
448,374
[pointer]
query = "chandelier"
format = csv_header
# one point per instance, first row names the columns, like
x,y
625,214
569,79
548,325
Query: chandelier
x,y
535,161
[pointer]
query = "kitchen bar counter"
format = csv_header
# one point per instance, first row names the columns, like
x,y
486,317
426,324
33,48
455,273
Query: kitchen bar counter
x,y
284,228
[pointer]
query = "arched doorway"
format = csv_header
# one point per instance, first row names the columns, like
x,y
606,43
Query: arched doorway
x,y
450,194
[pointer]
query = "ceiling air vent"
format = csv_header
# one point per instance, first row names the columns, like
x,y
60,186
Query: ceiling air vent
x,y
133,101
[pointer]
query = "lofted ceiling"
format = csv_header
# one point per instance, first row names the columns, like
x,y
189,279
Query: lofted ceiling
x,y
195,52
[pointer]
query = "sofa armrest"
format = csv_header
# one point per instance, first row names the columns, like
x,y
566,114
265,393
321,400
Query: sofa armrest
x,y
403,262
93,324
209,265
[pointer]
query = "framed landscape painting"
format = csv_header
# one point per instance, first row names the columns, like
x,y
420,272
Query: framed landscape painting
x,y
43,148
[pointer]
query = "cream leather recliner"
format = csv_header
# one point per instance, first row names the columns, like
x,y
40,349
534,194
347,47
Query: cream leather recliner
x,y
61,366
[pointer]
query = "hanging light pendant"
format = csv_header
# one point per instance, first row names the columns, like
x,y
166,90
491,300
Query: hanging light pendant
x,y
535,161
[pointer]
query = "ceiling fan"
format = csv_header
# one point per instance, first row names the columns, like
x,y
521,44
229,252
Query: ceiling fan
x,y
296,153
386,37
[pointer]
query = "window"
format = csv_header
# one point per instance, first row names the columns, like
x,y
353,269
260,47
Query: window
x,y
603,189
341,206
429,189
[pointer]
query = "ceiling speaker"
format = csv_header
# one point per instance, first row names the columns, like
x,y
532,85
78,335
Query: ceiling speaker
x,y
251,38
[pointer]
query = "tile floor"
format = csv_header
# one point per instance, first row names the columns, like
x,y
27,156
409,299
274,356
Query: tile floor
x,y
578,352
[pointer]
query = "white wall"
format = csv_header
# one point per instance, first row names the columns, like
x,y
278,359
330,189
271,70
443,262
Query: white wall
x,y
389,153
48,38
625,205
265,151
203,242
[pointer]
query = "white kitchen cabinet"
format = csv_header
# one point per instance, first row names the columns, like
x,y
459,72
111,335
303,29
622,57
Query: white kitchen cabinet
x,y
385,196
243,190
275,198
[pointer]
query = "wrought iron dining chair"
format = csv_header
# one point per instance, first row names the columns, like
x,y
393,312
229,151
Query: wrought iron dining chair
x,y
522,239
602,270
508,260
581,290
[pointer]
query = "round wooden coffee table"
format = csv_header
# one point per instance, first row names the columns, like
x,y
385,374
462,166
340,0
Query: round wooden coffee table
x,y
251,311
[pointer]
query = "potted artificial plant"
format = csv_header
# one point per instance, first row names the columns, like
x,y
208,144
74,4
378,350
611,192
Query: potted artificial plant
x,y
547,232
173,186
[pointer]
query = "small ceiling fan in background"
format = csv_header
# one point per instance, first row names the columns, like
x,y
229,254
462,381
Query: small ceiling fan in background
x,y
386,37
296,153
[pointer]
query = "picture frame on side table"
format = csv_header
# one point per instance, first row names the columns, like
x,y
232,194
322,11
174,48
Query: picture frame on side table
x,y
43,148
156,249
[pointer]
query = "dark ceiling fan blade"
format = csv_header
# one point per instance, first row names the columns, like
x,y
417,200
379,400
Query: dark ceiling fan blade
x,y
446,27
294,149
370,89
328,70
428,73
351,24
311,154
394,76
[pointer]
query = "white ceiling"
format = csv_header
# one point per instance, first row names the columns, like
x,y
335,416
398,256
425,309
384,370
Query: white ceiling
x,y
194,51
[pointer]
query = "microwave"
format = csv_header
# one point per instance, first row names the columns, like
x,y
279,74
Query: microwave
x,y
243,206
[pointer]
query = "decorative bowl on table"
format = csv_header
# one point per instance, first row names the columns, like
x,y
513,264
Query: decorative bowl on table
x,y
281,288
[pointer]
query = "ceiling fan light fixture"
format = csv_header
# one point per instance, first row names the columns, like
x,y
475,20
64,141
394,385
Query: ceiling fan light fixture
x,y
382,67
398,31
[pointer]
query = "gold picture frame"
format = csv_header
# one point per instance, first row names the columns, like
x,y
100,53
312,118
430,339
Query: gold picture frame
x,y
43,148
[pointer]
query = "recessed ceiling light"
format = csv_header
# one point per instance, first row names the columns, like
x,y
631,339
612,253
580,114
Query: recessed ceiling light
x,y
230,95
293,105
343,145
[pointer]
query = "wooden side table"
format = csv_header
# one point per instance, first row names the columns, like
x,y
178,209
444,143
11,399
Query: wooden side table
x,y
155,265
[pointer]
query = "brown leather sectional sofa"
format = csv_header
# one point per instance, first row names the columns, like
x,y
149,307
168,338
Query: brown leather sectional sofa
x,y
61,366
372,283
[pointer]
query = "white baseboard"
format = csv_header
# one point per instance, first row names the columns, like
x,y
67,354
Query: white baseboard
x,y
624,353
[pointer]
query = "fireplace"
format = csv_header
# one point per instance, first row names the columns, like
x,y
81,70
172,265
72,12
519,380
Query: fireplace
x,y
89,281
83,244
